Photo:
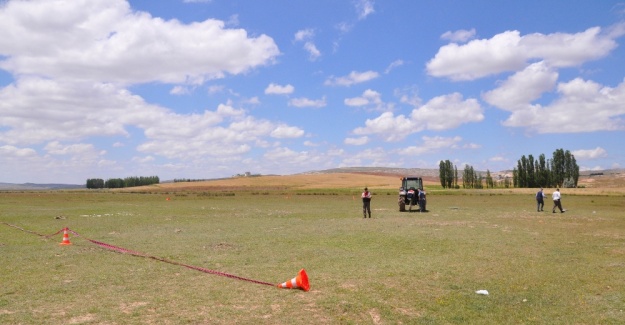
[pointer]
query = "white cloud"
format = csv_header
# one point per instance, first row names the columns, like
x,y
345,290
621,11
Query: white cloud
x,y
509,51
498,159
447,112
596,153
304,34
582,106
214,89
357,141
7,152
393,65
279,90
104,40
313,52
356,101
364,8
289,161
180,90
368,97
369,157
143,160
440,113
460,36
522,88
305,102
431,144
56,148
285,131
354,77
478,58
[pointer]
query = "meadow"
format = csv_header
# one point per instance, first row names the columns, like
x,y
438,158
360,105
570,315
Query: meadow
x,y
396,268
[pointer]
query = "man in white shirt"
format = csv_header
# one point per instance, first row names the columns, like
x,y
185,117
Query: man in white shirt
x,y
556,201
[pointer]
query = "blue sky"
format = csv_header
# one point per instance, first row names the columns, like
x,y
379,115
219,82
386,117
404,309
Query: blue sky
x,y
207,89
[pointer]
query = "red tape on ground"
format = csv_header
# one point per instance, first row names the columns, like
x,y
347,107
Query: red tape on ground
x,y
139,254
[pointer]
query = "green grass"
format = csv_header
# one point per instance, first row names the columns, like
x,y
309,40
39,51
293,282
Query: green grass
x,y
396,268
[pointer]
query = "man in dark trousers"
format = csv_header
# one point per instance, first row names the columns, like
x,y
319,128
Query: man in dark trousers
x,y
366,203
556,201
540,200
422,201
412,197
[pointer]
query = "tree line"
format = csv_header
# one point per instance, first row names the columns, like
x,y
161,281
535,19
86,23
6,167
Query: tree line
x,y
559,171
94,183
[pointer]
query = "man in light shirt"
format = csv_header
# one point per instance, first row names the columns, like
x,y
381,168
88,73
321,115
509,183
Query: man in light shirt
x,y
556,201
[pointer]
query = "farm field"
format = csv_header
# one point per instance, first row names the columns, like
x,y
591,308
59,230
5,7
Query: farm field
x,y
396,268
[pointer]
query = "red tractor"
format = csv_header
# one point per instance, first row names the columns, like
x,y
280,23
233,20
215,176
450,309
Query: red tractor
x,y
410,187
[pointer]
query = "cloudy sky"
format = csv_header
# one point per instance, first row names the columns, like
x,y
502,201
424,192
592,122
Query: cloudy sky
x,y
213,88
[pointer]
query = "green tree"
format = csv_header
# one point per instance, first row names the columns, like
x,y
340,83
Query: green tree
x,y
441,173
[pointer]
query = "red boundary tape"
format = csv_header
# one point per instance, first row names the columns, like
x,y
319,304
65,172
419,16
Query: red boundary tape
x,y
135,253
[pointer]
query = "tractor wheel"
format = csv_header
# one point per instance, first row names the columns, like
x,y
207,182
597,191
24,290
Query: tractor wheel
x,y
402,206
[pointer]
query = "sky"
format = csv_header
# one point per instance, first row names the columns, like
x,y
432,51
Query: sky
x,y
205,89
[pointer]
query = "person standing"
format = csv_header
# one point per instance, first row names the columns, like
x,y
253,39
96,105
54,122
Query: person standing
x,y
556,201
412,197
422,201
540,200
366,203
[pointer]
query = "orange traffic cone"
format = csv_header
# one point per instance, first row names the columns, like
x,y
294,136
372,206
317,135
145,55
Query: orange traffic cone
x,y
298,282
65,238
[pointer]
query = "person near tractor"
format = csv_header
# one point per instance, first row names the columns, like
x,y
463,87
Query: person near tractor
x,y
366,203
412,197
422,201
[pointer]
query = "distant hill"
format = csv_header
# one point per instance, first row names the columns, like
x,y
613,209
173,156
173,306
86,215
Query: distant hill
x,y
429,174
32,186
434,172
423,172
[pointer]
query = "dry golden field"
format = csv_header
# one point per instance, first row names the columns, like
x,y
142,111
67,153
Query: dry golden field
x,y
590,185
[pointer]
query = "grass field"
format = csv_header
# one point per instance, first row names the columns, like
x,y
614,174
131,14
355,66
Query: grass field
x,y
396,268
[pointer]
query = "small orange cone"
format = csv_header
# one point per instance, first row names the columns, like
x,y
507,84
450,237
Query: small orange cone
x,y
65,238
298,282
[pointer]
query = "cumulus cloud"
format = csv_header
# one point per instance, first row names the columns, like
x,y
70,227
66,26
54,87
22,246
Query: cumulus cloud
x,y
72,71
430,145
368,97
306,36
305,102
440,113
581,106
589,154
357,141
105,40
509,51
285,131
459,36
313,52
279,90
519,90
352,78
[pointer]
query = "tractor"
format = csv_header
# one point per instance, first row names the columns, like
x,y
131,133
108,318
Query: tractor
x,y
407,183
